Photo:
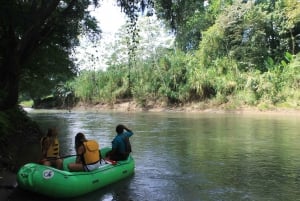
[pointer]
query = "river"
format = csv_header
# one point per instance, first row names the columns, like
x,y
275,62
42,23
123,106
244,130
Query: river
x,y
193,157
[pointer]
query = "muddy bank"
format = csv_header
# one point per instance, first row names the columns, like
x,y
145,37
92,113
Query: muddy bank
x,y
18,135
7,184
132,106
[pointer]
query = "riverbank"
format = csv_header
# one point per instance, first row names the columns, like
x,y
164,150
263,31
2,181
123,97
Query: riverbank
x,y
18,134
203,107
7,184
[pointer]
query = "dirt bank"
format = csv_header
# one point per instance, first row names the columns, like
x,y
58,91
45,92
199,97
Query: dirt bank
x,y
18,135
7,184
131,106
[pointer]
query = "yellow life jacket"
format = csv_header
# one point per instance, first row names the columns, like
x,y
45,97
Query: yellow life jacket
x,y
53,150
91,154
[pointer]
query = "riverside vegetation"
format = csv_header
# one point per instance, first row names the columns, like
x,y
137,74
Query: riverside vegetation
x,y
247,56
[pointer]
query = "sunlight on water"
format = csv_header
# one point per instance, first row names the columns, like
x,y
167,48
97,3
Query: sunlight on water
x,y
107,197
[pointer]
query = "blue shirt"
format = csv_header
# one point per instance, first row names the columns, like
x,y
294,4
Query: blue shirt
x,y
118,142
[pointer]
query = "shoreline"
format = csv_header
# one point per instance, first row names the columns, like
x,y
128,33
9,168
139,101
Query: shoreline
x,y
8,183
194,108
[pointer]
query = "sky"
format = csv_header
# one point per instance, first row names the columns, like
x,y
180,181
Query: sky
x,y
109,16
110,19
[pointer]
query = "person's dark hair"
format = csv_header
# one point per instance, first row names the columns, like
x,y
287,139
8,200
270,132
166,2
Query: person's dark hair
x,y
119,128
79,139
51,134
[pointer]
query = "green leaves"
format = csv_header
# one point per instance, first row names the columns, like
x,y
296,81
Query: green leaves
x,y
37,38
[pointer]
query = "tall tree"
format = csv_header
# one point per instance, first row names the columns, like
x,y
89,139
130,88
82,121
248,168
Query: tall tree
x,y
27,27
189,18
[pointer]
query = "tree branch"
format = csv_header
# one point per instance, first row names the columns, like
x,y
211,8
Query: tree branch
x,y
32,35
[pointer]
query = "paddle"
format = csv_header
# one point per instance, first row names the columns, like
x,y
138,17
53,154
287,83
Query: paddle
x,y
67,156
51,159
108,161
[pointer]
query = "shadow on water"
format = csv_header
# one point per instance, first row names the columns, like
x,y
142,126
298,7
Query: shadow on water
x,y
181,156
116,191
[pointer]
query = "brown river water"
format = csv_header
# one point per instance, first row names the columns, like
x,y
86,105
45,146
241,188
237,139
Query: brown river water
x,y
192,157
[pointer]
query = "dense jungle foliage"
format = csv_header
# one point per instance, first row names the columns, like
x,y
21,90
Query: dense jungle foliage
x,y
232,53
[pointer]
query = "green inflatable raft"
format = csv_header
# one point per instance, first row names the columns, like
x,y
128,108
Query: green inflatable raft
x,y
65,184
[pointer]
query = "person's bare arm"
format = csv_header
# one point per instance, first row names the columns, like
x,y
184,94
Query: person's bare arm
x,y
79,153
127,129
45,148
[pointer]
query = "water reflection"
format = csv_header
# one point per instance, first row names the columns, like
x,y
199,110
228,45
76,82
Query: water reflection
x,y
182,156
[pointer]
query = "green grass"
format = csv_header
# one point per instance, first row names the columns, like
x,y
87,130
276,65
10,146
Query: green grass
x,y
27,103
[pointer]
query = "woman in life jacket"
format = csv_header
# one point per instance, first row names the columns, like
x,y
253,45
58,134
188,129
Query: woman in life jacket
x,y
88,155
50,149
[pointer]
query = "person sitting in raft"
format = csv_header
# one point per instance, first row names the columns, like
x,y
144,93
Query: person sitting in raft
x,y
50,149
121,146
87,151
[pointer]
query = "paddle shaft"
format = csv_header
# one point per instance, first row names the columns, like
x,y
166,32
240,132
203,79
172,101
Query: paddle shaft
x,y
62,157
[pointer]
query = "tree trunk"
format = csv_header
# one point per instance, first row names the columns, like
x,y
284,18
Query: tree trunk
x,y
9,84
18,43
18,50
9,74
